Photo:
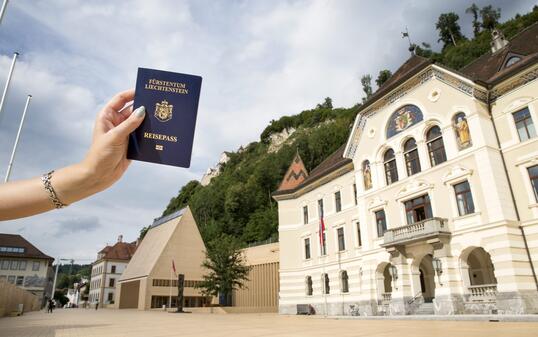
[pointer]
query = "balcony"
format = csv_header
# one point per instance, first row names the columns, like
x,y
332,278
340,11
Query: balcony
x,y
422,230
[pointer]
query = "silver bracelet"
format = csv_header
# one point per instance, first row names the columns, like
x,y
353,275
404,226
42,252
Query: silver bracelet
x,y
52,194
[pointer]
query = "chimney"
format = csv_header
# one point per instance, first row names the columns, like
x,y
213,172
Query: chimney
x,y
498,41
120,238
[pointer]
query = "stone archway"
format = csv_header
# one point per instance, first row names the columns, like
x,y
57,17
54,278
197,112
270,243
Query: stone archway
x,y
477,267
383,281
427,278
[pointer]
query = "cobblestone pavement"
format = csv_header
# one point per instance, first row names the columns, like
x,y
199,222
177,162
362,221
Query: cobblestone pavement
x,y
132,323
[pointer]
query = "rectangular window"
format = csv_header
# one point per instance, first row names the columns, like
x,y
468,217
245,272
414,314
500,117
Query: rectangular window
x,y
324,244
305,215
22,265
341,239
338,201
355,193
464,198
524,124
11,279
359,240
533,175
418,209
320,208
111,282
113,269
307,248
381,223
110,297
14,264
35,266
20,280
5,264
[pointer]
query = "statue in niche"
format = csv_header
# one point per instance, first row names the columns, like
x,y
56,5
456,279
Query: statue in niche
x,y
367,175
463,134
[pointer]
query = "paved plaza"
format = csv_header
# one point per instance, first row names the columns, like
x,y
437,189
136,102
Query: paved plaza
x,y
132,323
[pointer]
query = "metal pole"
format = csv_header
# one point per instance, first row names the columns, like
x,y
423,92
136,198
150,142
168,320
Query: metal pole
x,y
55,277
4,94
17,139
3,10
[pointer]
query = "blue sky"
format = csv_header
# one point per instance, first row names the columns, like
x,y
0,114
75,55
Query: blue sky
x,y
259,60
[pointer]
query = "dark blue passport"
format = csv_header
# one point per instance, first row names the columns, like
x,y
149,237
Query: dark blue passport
x,y
167,132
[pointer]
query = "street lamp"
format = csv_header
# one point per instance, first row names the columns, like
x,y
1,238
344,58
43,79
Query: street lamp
x,y
393,271
438,266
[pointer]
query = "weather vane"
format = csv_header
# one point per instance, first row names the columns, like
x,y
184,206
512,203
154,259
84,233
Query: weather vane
x,y
406,35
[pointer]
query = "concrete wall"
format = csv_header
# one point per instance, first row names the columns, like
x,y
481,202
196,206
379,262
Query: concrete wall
x,y
11,296
129,295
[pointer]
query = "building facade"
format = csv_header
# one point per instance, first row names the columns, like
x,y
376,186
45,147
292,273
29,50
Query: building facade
x,y
107,270
260,292
432,205
25,266
150,281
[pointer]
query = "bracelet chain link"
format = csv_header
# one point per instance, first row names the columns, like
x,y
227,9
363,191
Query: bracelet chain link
x,y
52,194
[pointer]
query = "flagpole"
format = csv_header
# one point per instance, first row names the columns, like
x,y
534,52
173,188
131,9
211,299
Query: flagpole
x,y
3,10
170,289
4,94
17,139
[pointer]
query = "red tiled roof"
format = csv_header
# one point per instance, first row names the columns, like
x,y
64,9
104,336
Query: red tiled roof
x,y
489,68
15,240
119,251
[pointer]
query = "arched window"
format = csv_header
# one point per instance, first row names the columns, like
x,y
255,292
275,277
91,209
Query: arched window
x,y
325,284
412,162
308,286
367,175
436,147
391,171
463,135
344,281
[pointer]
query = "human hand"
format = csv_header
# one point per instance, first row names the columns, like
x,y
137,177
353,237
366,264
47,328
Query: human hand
x,y
106,161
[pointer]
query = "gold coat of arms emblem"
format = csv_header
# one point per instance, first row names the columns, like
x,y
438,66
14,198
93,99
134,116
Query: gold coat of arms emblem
x,y
163,111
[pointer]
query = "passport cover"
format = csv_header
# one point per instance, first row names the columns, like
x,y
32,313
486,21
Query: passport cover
x,y
167,132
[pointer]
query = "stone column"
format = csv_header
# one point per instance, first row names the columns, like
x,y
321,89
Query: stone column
x,y
401,287
448,284
368,291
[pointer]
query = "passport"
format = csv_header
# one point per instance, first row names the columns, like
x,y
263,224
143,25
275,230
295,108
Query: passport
x,y
171,100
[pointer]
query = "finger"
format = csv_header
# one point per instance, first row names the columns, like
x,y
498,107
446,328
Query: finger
x,y
117,102
131,123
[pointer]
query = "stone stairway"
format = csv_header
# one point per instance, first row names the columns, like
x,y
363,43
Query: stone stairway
x,y
425,309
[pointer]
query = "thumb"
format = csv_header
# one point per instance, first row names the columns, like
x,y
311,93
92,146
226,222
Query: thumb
x,y
131,123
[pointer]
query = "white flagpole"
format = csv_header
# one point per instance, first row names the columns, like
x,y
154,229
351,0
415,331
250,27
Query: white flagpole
x,y
3,10
4,94
17,139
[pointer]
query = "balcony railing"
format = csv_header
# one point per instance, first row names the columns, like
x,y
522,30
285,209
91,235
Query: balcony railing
x,y
483,293
418,231
386,297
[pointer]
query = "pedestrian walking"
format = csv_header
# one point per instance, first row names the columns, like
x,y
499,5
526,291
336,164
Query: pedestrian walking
x,y
50,306
96,305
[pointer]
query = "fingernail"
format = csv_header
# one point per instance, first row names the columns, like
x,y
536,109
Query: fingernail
x,y
140,111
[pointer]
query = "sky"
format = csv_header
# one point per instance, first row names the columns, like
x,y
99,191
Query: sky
x,y
259,60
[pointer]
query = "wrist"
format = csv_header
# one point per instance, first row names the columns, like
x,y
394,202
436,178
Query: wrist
x,y
75,182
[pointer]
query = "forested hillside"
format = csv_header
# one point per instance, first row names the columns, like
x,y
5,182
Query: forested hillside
x,y
238,202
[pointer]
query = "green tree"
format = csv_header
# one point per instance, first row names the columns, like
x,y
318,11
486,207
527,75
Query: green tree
x,y
183,197
449,29
327,104
143,231
226,268
490,17
366,81
60,298
383,76
474,10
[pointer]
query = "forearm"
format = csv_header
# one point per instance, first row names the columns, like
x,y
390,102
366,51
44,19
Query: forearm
x,y
28,197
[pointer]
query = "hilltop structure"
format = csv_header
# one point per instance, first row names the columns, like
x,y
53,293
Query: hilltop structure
x,y
23,264
432,205
107,269
149,281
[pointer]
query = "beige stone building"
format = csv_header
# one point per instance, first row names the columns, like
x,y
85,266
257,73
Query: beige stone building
x,y
432,205
25,266
148,281
260,293
107,270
